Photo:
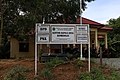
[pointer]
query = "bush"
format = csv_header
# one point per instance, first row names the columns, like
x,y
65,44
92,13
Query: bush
x,y
114,75
95,74
85,76
54,62
79,63
16,73
47,74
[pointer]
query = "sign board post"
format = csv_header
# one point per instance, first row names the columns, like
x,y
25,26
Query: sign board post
x,y
36,55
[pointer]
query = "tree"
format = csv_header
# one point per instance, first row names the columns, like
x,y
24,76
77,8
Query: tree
x,y
19,16
114,37
54,11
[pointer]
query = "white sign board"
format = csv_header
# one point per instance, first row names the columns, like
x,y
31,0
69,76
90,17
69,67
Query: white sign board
x,y
43,38
82,34
82,38
43,29
62,34
82,28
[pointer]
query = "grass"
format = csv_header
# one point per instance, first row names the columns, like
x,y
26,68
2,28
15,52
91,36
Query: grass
x,y
16,73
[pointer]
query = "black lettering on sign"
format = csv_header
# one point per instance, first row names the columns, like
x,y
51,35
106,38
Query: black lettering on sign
x,y
43,29
71,33
43,38
62,35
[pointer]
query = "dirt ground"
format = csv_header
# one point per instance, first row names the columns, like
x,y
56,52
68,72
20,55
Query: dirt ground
x,y
67,71
7,65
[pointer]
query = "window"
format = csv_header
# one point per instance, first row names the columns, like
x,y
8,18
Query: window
x,y
23,47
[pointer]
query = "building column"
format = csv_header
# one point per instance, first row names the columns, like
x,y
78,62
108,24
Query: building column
x,y
74,46
68,45
49,50
40,49
96,39
106,45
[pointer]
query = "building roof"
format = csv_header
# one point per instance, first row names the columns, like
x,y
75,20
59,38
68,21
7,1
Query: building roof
x,y
93,23
106,28
88,21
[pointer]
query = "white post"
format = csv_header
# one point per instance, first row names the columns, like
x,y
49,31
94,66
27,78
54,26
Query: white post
x,y
68,45
43,20
81,12
74,46
49,50
36,56
81,56
89,49
61,48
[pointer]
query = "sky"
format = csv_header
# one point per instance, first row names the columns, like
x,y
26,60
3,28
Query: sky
x,y
102,10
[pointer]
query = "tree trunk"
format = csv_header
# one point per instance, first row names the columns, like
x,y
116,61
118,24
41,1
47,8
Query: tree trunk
x,y
1,21
1,30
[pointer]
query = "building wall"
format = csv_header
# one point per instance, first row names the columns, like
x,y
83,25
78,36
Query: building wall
x,y
14,49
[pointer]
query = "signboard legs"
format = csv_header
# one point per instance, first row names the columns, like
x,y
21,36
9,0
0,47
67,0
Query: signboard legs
x,y
81,51
89,49
36,55
89,57
62,34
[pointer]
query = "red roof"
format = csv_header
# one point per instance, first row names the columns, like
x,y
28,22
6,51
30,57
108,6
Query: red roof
x,y
106,28
88,21
94,23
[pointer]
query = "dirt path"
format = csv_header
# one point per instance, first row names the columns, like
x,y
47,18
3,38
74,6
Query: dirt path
x,y
67,71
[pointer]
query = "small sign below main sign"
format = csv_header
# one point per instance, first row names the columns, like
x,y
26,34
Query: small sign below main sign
x,y
82,38
43,38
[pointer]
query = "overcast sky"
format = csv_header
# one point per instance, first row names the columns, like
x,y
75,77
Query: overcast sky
x,y
102,10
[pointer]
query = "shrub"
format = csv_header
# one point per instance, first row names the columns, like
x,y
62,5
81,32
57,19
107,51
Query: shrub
x,y
96,74
47,74
114,75
85,76
79,63
16,73
54,62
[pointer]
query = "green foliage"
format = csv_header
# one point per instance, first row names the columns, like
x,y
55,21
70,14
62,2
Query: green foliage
x,y
79,63
95,74
47,74
20,16
53,62
114,37
114,75
85,76
16,73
